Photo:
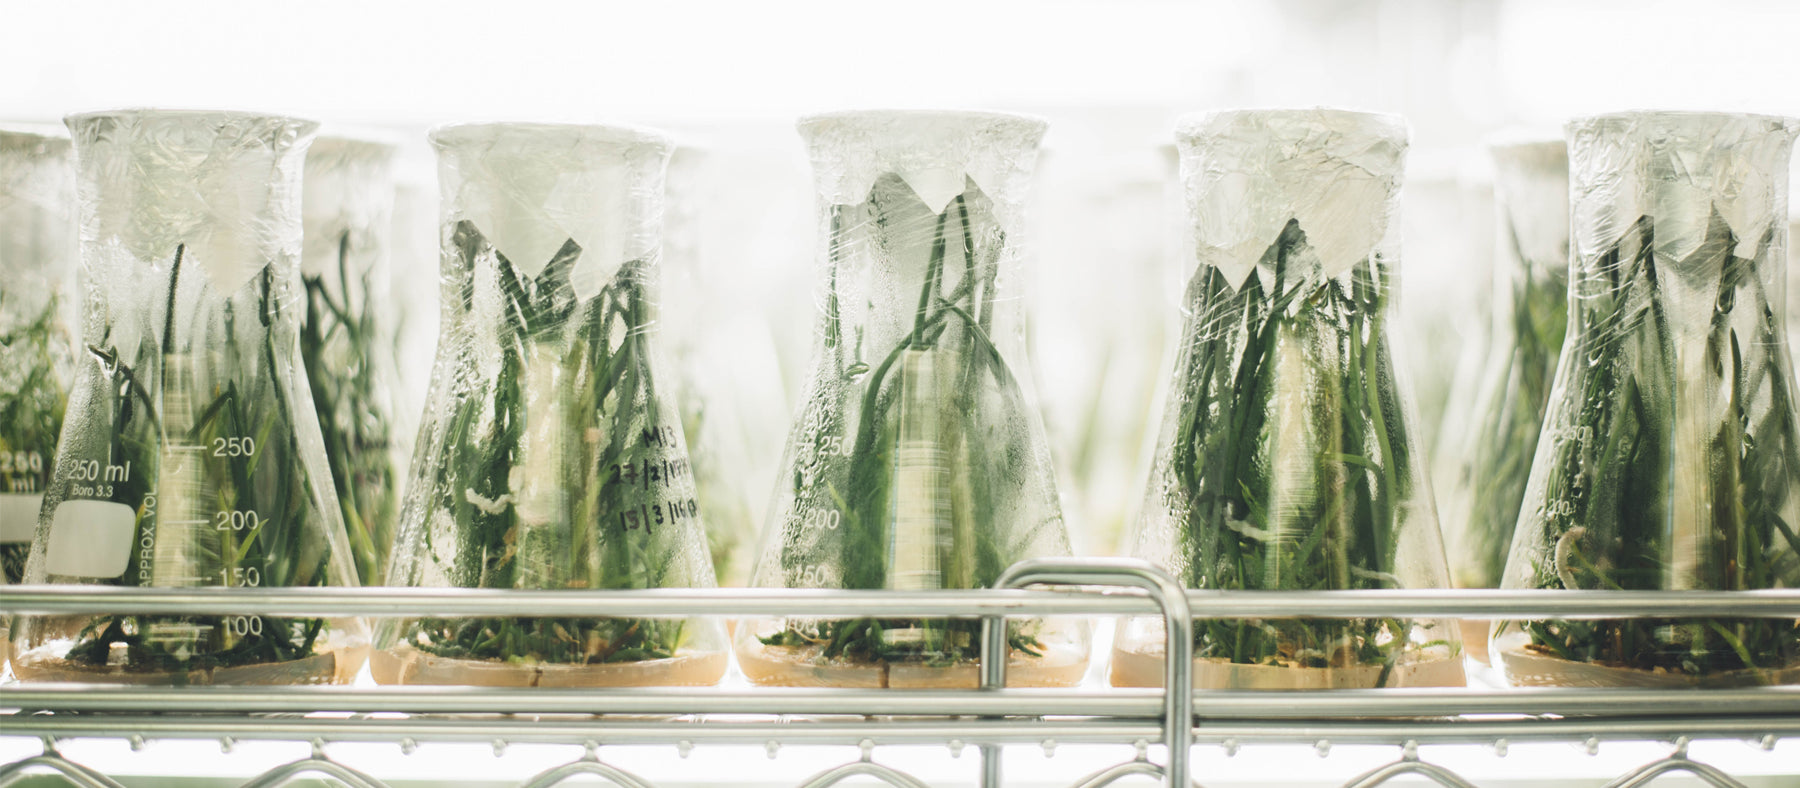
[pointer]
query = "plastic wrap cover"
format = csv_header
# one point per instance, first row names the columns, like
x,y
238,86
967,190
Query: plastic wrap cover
x,y
1680,167
224,184
37,311
1248,172
1669,457
932,151
531,187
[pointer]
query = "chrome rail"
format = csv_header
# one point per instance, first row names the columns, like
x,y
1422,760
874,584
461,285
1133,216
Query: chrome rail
x,y
383,602
1146,704
989,718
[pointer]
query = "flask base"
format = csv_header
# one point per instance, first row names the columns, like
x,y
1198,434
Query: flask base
x,y
1523,667
804,666
408,665
330,667
1475,639
1144,668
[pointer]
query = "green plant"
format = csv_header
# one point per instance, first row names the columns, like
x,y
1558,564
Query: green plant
x,y
1639,452
338,343
220,496
1290,466
566,473
30,417
933,487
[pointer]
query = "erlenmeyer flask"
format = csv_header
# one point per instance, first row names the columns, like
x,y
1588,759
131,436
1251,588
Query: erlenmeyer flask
x,y
191,453
549,457
1668,457
1490,455
347,341
917,461
37,344
1288,459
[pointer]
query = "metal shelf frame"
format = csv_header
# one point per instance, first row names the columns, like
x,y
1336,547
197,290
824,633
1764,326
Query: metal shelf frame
x,y
988,718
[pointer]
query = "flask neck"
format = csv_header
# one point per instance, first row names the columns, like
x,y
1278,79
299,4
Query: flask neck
x,y
1254,177
223,187
936,154
536,191
1682,183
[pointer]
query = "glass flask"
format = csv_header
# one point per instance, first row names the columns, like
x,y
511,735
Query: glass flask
x,y
347,340
917,461
37,348
190,456
1288,458
549,458
1668,457
1488,457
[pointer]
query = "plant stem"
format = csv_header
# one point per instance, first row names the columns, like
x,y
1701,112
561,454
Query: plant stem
x,y
1613,503
236,516
565,474
1287,458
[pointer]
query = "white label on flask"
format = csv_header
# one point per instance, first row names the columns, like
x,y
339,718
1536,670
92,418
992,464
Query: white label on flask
x,y
91,538
19,516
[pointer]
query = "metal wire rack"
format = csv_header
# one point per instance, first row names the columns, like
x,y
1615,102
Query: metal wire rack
x,y
1163,725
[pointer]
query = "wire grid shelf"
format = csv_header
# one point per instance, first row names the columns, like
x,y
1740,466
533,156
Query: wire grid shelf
x,y
988,718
